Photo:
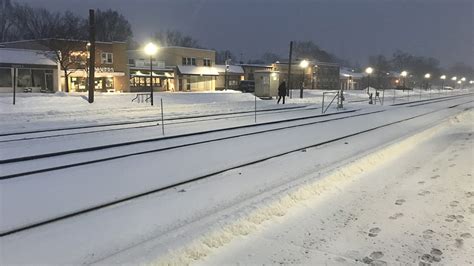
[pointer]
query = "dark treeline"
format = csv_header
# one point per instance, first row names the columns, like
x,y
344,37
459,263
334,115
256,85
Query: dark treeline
x,y
23,22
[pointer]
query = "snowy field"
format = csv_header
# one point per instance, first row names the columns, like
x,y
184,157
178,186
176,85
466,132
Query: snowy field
x,y
365,184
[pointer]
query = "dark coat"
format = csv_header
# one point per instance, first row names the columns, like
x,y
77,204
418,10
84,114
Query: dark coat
x,y
282,89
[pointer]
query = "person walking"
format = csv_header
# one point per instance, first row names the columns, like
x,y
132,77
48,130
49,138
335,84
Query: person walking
x,y
282,92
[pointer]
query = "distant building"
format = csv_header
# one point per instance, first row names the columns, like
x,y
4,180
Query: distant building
x,y
35,71
249,70
318,75
175,69
111,70
351,80
233,75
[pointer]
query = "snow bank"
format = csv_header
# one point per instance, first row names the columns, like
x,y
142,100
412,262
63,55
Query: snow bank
x,y
276,206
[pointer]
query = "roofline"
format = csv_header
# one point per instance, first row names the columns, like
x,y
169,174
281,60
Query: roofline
x,y
59,39
176,47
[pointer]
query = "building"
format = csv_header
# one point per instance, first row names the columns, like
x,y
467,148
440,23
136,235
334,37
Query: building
x,y
111,64
233,76
249,70
317,75
35,71
177,69
351,80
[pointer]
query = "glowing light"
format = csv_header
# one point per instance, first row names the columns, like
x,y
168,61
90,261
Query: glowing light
x,y
151,49
404,74
369,70
427,75
443,77
304,64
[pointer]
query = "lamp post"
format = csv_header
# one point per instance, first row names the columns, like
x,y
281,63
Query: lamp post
x,y
150,50
404,75
463,79
443,77
369,71
303,64
454,81
427,77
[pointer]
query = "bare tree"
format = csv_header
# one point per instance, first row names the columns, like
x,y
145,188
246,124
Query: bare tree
x,y
6,23
112,26
309,50
176,38
71,55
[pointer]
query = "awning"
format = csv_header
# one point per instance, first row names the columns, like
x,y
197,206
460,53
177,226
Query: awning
x,y
198,70
147,75
83,73
232,69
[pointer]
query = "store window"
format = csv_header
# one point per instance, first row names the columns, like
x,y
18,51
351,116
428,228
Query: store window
x,y
107,58
5,77
24,77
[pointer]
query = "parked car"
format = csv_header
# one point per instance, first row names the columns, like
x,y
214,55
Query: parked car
x,y
247,86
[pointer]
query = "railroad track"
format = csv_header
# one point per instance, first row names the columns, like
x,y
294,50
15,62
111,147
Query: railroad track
x,y
213,173
149,123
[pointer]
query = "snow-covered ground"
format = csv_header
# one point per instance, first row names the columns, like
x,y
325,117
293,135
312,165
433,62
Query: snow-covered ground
x,y
195,221
416,207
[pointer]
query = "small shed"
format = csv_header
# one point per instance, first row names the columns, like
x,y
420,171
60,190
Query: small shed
x,y
266,83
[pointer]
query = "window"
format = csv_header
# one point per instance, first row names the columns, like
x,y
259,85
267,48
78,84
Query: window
x,y
24,77
189,61
107,58
5,77
131,62
207,62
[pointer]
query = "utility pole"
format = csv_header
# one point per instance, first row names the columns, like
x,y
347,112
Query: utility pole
x,y
14,84
289,70
91,55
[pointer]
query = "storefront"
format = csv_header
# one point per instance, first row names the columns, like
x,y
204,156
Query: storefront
x,y
162,80
196,78
105,80
33,72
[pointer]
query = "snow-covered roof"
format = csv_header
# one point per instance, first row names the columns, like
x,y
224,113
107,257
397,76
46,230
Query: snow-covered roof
x,y
256,65
232,69
345,72
198,70
25,57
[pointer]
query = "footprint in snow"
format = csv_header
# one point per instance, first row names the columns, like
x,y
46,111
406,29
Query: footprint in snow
x,y
399,202
396,216
434,256
466,235
434,177
423,192
454,203
452,165
374,259
373,232
421,182
428,234
469,194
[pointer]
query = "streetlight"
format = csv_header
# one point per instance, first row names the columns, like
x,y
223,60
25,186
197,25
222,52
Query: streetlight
x,y
427,77
404,75
369,71
303,64
454,79
443,77
150,50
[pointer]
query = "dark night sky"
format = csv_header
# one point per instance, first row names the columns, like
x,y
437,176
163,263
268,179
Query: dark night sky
x,y
351,29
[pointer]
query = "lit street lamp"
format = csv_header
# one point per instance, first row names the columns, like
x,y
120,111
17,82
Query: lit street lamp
x,y
427,77
443,77
369,71
150,50
303,64
404,75
454,79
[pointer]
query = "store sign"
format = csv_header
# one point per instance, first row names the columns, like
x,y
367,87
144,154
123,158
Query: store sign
x,y
102,69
